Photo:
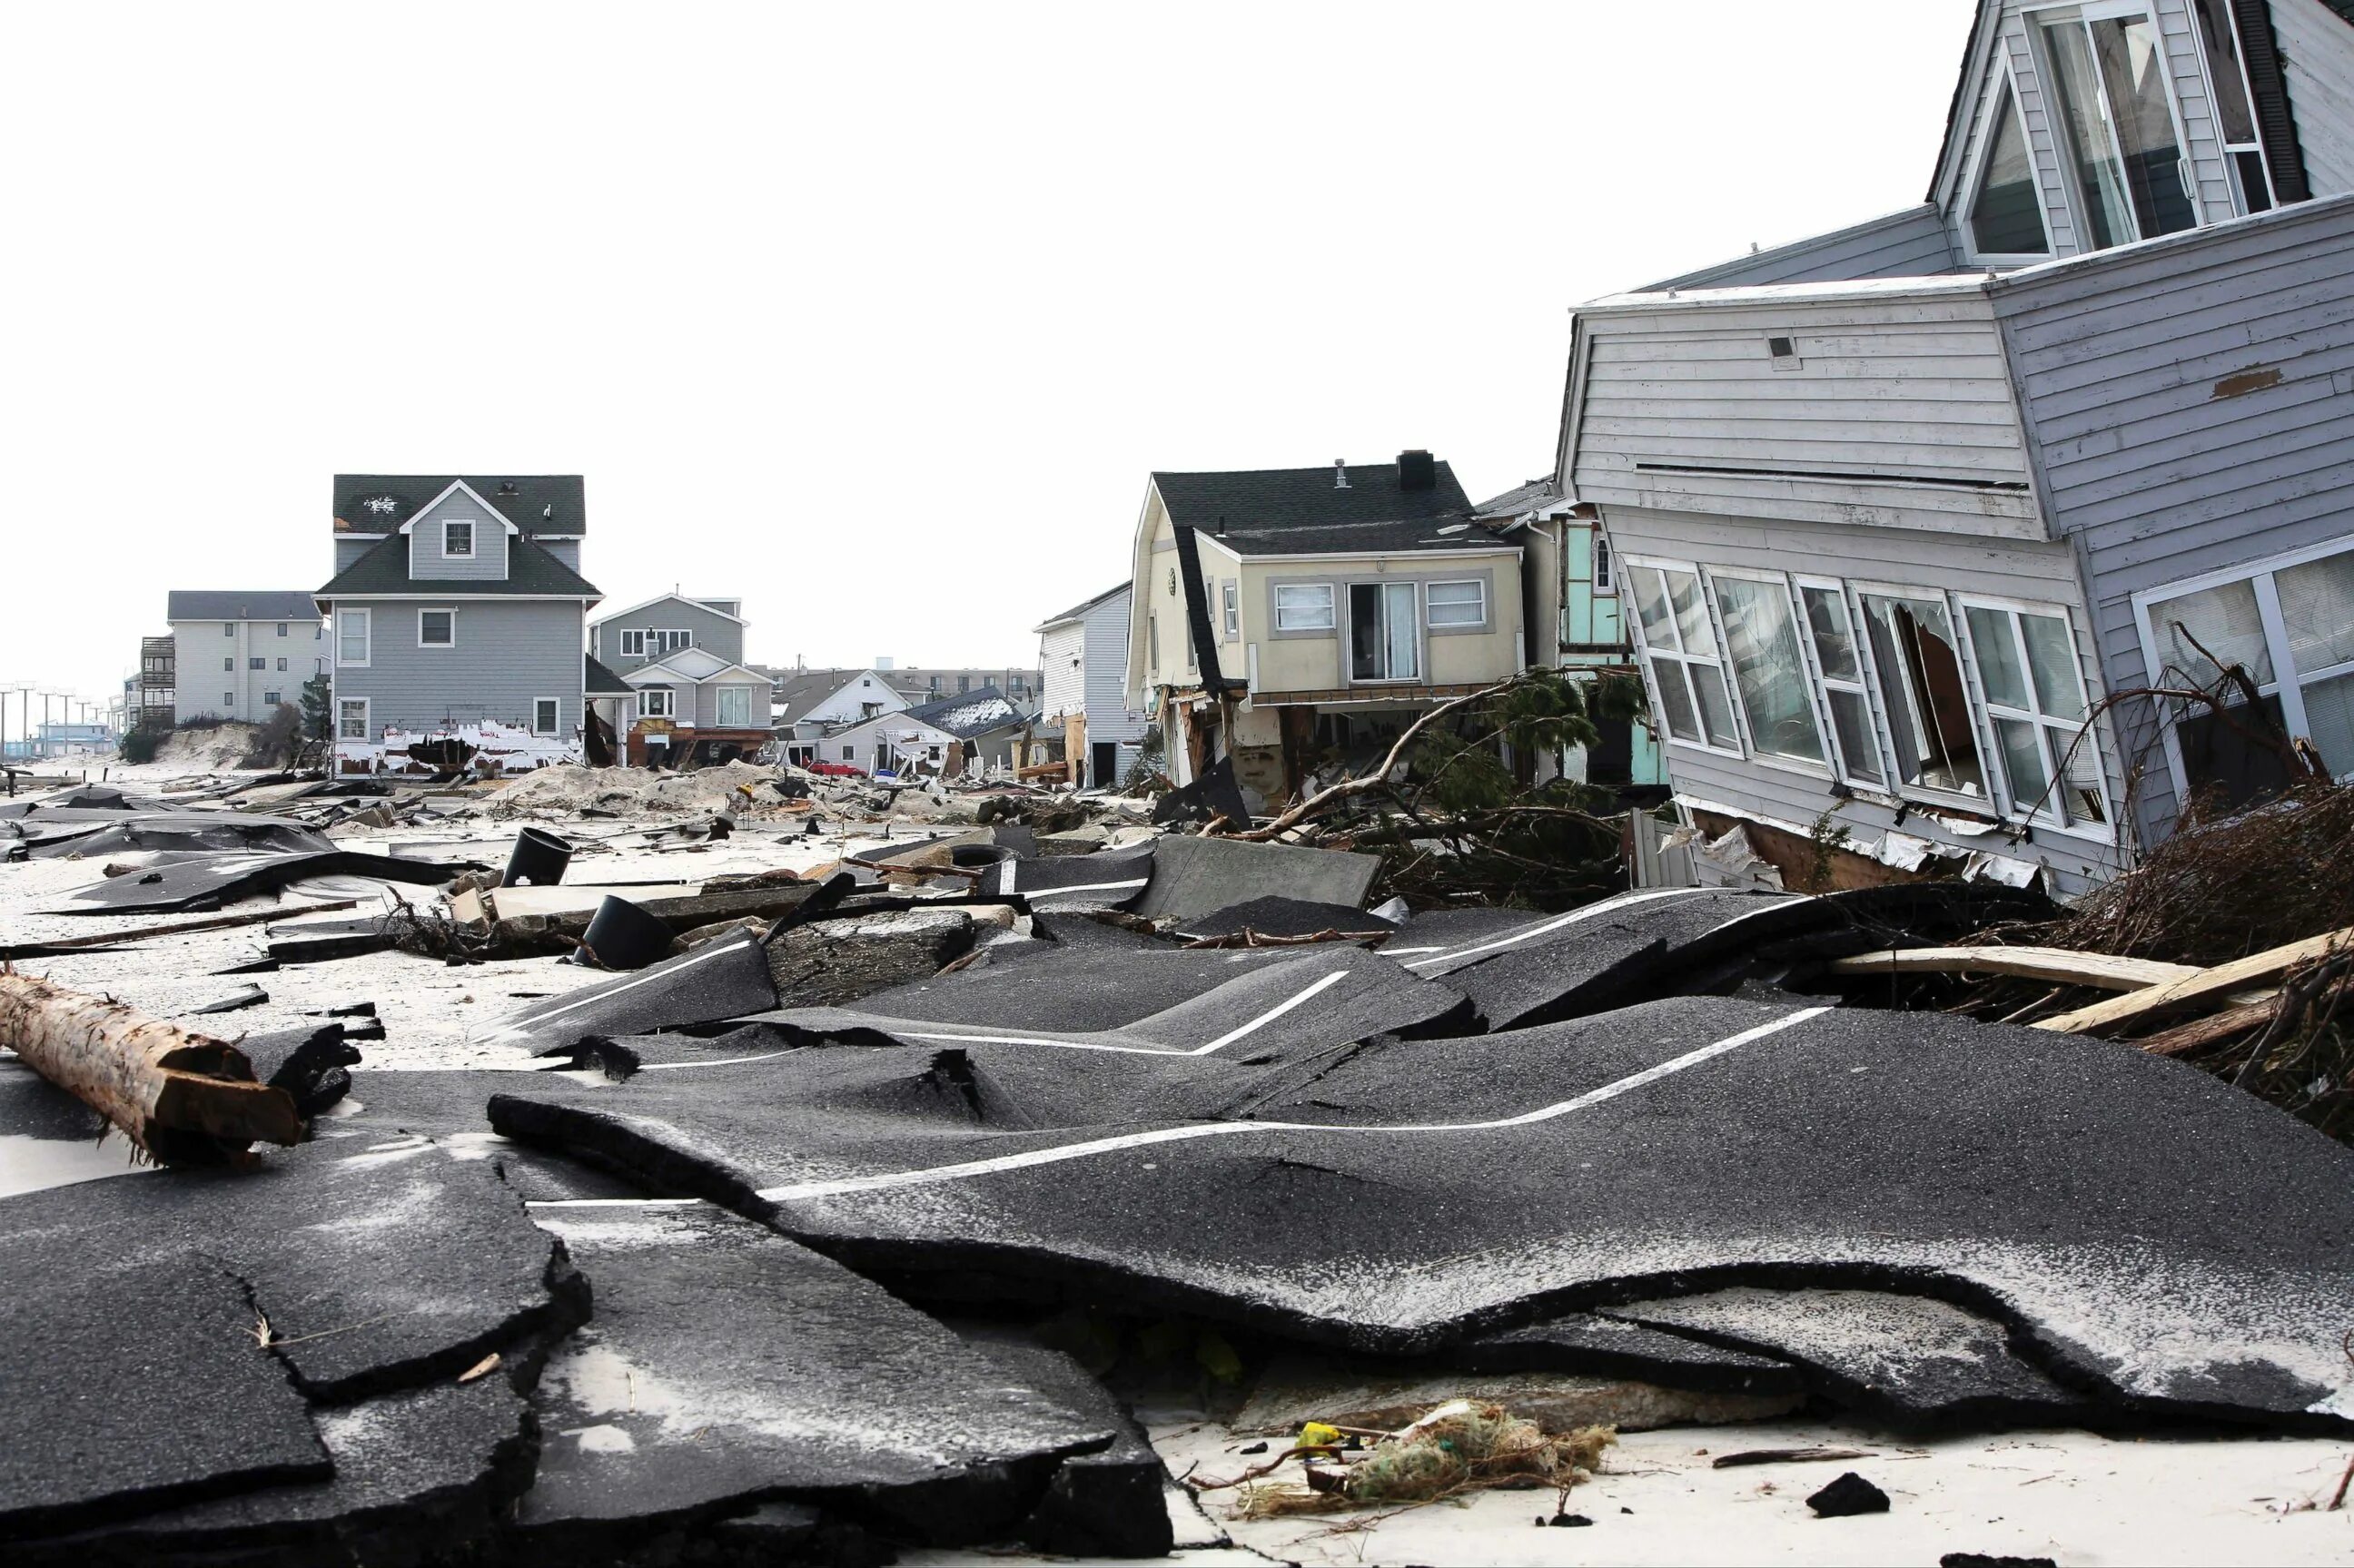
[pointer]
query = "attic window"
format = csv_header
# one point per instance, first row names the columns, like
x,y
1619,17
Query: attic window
x,y
2006,215
1784,352
458,538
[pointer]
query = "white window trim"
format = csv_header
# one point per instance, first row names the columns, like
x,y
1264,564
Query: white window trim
x,y
1990,743
1824,685
1421,677
2047,78
659,638
669,696
1601,566
1230,609
1987,805
473,536
627,652
366,619
2208,70
1331,622
554,729
367,725
2000,78
719,721
1714,656
1478,586
1818,771
437,609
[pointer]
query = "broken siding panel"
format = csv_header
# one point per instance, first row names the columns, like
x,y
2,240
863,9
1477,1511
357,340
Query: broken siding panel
x,y
2035,572
509,655
2317,50
1907,244
1061,651
487,564
2197,403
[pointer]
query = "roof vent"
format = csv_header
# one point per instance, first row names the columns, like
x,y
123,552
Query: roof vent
x,y
1340,473
1222,524
548,511
1417,469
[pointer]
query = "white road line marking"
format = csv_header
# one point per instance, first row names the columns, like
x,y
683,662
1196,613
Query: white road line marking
x,y
722,1061
612,1203
808,1190
1264,1019
1607,907
1083,887
521,1026
1319,988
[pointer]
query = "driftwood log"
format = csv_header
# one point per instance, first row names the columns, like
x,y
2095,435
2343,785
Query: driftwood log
x,y
183,1098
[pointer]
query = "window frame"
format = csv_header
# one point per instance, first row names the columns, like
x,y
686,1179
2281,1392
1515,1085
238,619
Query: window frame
x,y
1741,723
364,618
2082,14
438,610
626,651
669,695
2234,150
1329,626
719,718
468,524
1988,804
555,726
659,637
1716,658
258,662
1230,609
1990,750
1825,684
344,706
1601,566
272,699
281,629
281,666
2002,85
1479,587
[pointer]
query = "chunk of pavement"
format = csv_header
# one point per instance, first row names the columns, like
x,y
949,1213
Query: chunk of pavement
x,y
128,1386
207,882
1846,1497
376,1269
308,1062
721,980
1583,1342
1075,840
728,1366
1108,880
1910,1360
829,962
1192,877
442,1464
1110,1503
1274,917
1300,1387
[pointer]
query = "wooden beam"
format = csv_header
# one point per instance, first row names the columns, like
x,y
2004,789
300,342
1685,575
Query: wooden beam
x,y
181,1097
2201,1033
2056,966
2207,986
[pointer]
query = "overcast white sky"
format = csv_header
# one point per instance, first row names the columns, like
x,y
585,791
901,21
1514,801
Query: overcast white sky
x,y
876,316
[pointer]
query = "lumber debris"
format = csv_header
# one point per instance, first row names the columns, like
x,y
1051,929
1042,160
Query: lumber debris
x,y
2057,965
2213,1030
2206,985
181,1097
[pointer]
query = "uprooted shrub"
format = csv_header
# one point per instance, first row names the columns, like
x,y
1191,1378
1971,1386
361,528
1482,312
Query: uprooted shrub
x,y
1453,1452
276,742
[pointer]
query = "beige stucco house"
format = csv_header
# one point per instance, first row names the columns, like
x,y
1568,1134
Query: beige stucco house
x,y
1285,616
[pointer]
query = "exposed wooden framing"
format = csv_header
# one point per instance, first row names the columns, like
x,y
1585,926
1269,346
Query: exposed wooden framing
x,y
2056,965
2207,985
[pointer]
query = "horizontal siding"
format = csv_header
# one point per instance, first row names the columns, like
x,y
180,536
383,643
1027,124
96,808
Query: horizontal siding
x,y
2036,571
2317,55
715,634
509,655
487,564
1060,654
1108,716
1903,245
2154,476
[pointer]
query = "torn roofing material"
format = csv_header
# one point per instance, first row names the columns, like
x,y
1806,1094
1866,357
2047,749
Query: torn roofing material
x,y
2091,1199
211,879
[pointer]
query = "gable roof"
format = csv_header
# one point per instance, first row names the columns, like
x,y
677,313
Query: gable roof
x,y
705,605
383,573
696,666
534,502
238,604
967,714
1302,512
597,681
793,693
1079,611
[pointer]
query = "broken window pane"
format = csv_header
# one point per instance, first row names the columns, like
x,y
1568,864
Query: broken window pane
x,y
1921,687
1768,669
2225,622
2052,658
2006,218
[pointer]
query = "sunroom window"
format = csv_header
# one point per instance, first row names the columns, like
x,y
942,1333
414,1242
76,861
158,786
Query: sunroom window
x,y
1917,657
1768,670
2006,215
1683,653
2119,121
1843,684
2034,692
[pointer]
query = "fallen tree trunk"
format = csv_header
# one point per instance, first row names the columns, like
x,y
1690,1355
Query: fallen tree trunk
x,y
184,1098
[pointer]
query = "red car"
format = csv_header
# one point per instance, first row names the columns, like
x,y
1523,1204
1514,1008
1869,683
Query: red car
x,y
835,770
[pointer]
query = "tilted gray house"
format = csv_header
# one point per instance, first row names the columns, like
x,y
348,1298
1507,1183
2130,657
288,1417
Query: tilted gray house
x,y
1915,515
457,610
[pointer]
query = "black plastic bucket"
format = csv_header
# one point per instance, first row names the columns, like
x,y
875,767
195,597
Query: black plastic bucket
x,y
538,860
624,937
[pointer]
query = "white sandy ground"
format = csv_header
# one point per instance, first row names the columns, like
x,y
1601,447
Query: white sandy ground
x,y
2075,1497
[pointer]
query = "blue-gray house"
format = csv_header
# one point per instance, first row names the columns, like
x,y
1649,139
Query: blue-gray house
x,y
1915,517
458,611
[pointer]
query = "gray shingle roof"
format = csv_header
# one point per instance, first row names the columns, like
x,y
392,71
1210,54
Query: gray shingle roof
x,y
534,502
1078,611
599,682
531,569
967,714
1269,498
240,604
1357,538
1521,498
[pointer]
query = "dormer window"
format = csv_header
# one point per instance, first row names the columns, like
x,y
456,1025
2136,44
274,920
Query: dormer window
x,y
2005,212
458,538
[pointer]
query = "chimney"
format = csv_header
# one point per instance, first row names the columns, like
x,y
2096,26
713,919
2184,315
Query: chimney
x,y
1417,471
1340,473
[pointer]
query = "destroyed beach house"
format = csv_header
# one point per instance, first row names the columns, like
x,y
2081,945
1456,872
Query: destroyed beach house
x,y
1915,516
968,732
456,615
1282,614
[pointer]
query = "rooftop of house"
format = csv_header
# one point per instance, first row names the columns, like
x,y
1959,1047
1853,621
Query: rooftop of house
x,y
1523,499
967,714
532,572
549,504
794,691
597,681
1415,504
238,604
1079,611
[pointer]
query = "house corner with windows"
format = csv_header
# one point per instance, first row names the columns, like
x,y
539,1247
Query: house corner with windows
x,y
1920,519
679,690
455,621
1288,618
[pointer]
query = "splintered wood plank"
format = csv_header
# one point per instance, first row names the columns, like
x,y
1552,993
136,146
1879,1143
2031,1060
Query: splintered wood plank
x,y
2057,965
2208,986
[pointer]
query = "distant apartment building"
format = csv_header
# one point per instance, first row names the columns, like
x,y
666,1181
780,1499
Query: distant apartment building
x,y
235,653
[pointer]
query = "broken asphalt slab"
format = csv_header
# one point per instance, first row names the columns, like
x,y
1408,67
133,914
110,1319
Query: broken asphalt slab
x,y
1192,877
2148,1235
207,882
1112,879
722,979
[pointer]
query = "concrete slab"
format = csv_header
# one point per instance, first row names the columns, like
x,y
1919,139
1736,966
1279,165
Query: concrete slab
x,y
1196,876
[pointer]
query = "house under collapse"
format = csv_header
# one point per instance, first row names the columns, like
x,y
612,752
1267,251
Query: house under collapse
x,y
1915,516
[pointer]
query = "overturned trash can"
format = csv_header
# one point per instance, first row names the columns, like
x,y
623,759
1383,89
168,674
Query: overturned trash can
x,y
538,860
620,936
